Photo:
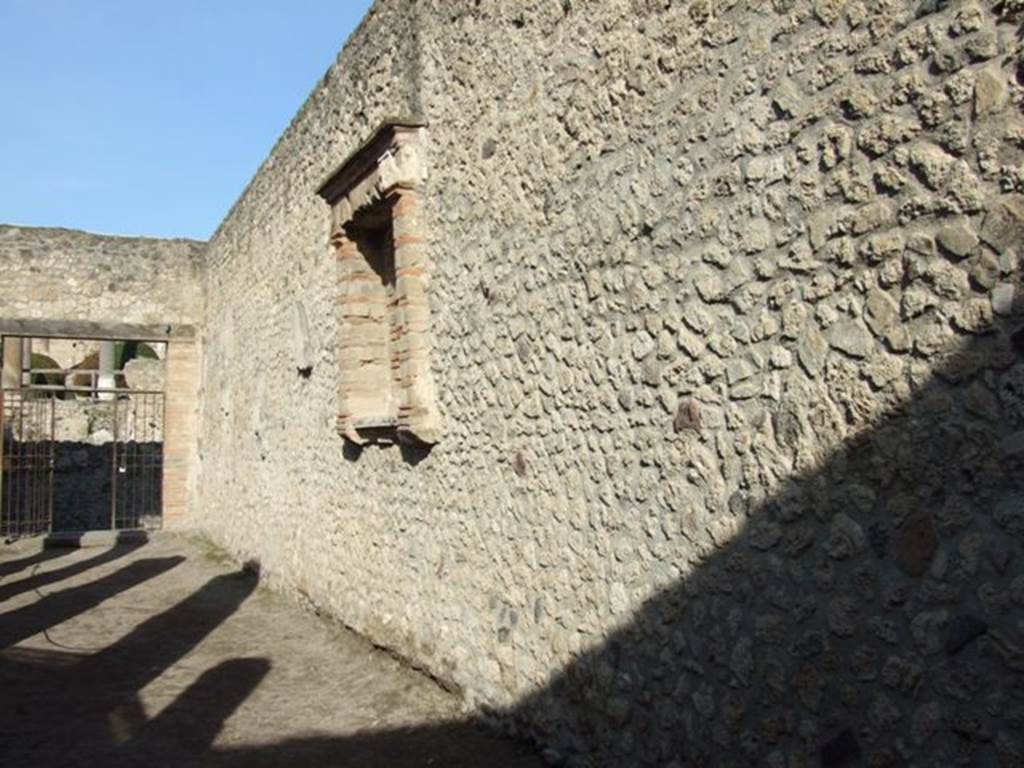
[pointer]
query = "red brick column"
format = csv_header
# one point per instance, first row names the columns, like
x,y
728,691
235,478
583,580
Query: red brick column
x,y
181,416
417,410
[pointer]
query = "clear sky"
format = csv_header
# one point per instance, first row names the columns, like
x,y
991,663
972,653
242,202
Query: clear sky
x,y
147,117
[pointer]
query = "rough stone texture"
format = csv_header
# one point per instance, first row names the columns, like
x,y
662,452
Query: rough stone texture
x,y
69,275
144,373
732,418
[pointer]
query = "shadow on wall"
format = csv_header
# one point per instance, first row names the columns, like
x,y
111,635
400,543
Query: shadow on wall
x,y
85,480
411,453
867,613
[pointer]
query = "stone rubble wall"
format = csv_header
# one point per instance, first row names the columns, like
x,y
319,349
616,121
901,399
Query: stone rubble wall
x,y
63,274
94,422
66,275
266,426
726,332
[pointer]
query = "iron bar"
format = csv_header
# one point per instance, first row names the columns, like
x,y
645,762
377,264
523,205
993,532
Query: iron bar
x,y
113,467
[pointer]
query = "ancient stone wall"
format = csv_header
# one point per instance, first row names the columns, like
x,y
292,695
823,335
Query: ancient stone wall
x,y
270,373
725,323
70,275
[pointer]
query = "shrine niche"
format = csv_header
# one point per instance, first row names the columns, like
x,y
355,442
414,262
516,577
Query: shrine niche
x,y
385,387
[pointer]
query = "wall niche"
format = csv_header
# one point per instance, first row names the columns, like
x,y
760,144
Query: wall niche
x,y
385,388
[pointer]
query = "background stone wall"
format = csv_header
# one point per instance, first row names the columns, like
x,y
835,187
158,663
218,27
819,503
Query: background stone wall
x,y
726,335
67,275
63,274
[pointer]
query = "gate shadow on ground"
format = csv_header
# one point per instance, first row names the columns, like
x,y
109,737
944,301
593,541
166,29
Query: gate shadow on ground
x,y
10,567
95,698
37,580
860,594
57,607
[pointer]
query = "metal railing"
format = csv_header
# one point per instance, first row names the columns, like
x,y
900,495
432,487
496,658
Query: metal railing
x,y
60,475
27,459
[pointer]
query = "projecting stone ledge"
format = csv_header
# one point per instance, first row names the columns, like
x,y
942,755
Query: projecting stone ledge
x,y
84,329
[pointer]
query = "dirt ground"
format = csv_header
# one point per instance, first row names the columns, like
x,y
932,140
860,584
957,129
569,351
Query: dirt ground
x,y
162,653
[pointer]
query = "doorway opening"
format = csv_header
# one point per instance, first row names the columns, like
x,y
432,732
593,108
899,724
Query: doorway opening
x,y
82,425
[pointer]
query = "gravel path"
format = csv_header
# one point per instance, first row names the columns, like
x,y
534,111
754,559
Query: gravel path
x,y
162,653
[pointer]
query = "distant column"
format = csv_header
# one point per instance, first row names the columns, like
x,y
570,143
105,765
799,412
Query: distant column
x,y
105,380
26,362
181,427
12,362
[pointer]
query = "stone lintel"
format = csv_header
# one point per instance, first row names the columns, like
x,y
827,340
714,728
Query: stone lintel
x,y
391,134
85,329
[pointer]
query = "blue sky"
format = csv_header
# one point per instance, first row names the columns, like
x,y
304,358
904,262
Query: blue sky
x,y
148,118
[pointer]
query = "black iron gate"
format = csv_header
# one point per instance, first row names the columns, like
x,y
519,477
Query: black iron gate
x,y
136,496
80,458
27,457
